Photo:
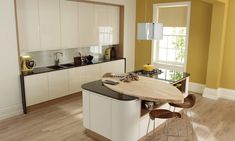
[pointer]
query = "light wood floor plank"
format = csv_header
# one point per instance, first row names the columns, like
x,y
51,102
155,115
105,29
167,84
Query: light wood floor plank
x,y
62,121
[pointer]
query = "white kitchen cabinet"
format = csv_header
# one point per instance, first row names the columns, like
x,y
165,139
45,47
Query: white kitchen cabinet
x,y
86,108
36,88
100,115
114,22
76,79
69,24
114,119
113,67
58,84
92,73
86,25
107,19
28,25
49,22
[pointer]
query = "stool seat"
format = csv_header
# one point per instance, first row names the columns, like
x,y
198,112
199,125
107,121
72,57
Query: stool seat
x,y
163,114
189,102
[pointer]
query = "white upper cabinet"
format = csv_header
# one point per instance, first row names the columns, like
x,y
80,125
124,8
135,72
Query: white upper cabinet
x,y
107,19
49,19
28,25
63,24
114,21
69,24
87,26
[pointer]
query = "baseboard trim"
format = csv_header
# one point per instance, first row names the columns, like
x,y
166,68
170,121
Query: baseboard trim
x,y
196,87
226,94
210,93
220,93
10,111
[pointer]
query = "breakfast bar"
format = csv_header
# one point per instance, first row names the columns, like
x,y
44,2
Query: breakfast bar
x,y
119,116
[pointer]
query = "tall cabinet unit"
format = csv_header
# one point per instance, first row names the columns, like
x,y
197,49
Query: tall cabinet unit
x,y
49,22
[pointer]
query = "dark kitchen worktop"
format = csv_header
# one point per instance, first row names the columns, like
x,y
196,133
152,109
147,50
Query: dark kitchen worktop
x,y
46,69
99,88
169,76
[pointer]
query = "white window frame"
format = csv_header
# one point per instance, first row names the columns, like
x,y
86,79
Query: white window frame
x,y
155,42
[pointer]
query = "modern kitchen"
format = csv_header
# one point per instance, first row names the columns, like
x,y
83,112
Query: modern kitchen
x,y
117,70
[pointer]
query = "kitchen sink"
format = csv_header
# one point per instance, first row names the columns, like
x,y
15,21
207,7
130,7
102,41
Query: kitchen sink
x,y
56,67
68,65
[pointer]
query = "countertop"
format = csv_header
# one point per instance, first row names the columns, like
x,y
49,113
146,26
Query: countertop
x,y
167,76
46,69
98,87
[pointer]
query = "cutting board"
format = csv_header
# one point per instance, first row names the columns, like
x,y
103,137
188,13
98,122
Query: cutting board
x,y
147,89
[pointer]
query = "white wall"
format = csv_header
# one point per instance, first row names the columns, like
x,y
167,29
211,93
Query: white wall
x,y
10,96
129,29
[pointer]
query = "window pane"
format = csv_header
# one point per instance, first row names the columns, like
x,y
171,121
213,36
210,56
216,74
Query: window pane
x,y
162,54
172,42
163,42
180,56
171,55
180,42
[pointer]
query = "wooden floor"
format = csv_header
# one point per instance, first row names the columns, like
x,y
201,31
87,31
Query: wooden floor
x,y
213,121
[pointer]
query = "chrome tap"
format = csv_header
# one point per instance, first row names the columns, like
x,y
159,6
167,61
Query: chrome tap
x,y
57,58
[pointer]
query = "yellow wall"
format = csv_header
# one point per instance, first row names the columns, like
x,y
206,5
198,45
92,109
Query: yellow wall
x,y
216,47
228,70
198,39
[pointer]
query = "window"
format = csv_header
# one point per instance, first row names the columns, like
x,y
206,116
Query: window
x,y
171,51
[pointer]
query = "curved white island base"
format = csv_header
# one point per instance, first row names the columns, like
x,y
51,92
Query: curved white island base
x,y
116,120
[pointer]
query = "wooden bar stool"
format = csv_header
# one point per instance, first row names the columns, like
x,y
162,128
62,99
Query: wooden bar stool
x,y
162,114
189,102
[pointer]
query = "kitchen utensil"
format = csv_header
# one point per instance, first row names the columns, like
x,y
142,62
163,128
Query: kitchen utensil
x,y
107,54
27,63
89,58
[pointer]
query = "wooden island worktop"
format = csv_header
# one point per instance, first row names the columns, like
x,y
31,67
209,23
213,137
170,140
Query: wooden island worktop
x,y
117,113
147,89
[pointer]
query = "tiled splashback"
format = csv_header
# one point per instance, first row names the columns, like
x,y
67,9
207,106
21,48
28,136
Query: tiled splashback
x,y
46,58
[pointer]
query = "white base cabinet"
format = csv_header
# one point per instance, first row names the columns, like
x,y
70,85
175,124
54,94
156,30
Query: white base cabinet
x,y
58,84
36,89
113,67
76,79
113,119
116,120
100,116
47,86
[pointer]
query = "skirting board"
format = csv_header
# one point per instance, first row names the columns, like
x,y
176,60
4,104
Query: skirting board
x,y
219,93
196,87
10,111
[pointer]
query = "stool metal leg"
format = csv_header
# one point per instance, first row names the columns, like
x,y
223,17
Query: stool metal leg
x,y
154,130
147,128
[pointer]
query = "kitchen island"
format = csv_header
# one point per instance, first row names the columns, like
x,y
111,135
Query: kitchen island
x,y
119,117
